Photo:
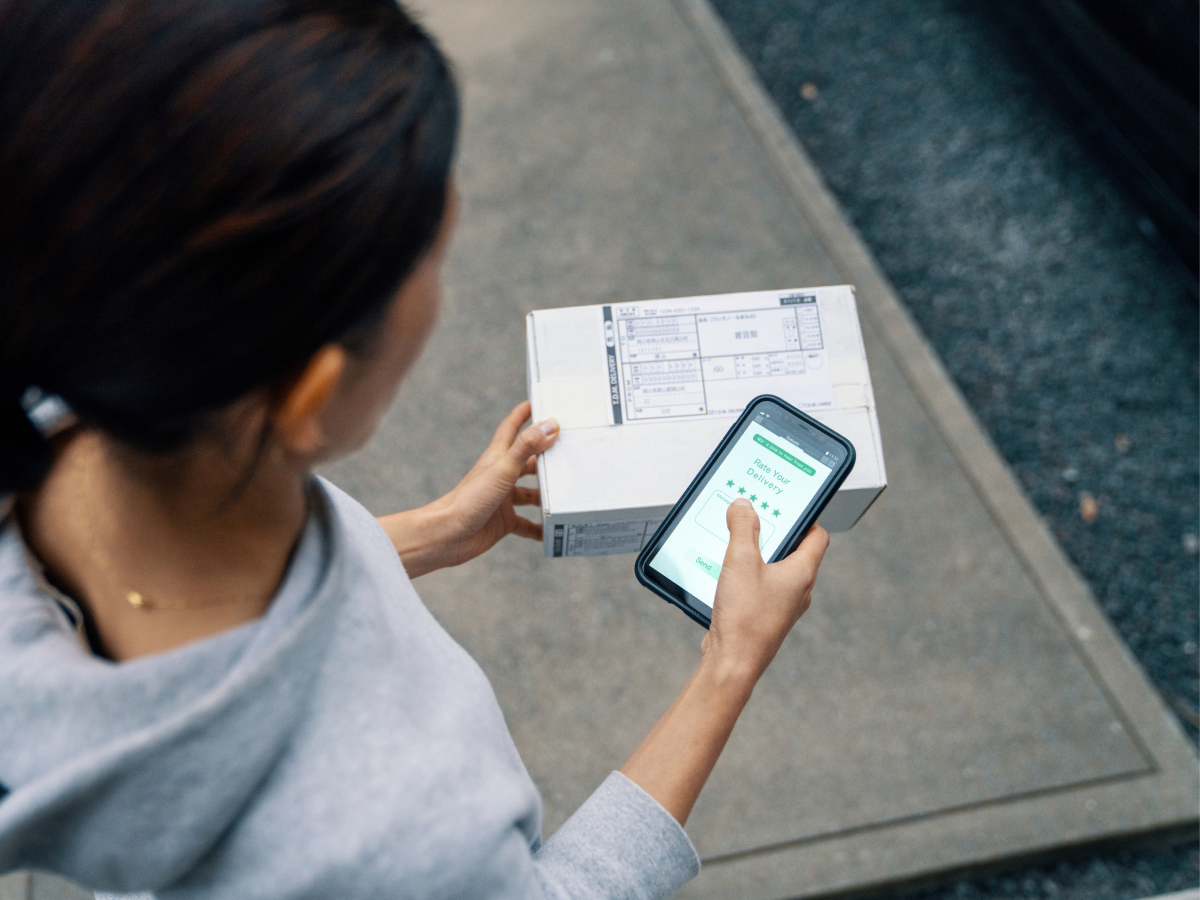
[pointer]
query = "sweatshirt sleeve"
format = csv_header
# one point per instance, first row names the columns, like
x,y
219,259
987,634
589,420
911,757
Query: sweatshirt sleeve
x,y
620,844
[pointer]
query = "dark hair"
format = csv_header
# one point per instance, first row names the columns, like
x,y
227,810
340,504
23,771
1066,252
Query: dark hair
x,y
197,195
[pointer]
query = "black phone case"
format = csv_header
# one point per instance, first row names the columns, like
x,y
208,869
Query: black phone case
x,y
795,536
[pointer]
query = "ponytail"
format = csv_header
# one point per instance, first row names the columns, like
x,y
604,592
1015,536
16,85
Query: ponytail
x,y
198,196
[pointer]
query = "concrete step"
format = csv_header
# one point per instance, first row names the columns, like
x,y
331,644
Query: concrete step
x,y
38,886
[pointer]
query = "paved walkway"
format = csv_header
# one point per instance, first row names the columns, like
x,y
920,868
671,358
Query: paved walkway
x,y
954,698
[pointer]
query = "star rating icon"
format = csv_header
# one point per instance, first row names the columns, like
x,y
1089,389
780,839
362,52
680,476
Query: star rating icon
x,y
741,490
753,497
765,504
775,513
729,483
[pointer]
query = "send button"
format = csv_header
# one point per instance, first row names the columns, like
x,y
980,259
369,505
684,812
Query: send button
x,y
712,568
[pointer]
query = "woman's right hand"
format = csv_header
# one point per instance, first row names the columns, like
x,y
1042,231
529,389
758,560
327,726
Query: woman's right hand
x,y
755,608
758,604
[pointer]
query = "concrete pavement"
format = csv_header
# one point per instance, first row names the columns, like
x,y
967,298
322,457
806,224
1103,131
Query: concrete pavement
x,y
954,698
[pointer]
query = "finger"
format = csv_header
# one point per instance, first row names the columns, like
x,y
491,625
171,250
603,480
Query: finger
x,y
743,524
530,466
533,440
502,438
526,496
526,529
511,424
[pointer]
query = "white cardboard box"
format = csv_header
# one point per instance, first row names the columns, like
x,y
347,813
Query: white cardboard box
x,y
644,392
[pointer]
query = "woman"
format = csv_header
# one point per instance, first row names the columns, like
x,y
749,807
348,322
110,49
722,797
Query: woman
x,y
220,246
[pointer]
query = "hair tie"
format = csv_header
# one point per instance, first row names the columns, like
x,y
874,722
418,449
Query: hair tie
x,y
25,452
48,413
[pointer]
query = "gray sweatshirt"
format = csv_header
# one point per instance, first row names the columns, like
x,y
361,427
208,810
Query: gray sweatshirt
x,y
343,746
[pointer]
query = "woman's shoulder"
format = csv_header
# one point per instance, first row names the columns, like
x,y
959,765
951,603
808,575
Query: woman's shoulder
x,y
361,531
26,596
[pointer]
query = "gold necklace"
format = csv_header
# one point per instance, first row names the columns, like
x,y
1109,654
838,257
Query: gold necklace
x,y
137,599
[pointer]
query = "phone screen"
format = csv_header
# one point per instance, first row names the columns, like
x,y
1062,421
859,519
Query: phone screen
x,y
779,464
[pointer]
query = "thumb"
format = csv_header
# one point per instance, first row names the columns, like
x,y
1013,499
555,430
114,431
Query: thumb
x,y
744,525
533,440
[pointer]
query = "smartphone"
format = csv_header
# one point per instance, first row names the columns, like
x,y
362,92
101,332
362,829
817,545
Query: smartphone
x,y
786,463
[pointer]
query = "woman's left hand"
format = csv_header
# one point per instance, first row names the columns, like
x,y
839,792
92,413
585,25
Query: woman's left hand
x,y
480,510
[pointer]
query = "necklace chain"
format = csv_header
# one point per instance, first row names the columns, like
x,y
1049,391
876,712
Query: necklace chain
x,y
137,599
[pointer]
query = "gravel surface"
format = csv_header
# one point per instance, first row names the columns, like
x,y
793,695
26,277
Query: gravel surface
x,y
1071,332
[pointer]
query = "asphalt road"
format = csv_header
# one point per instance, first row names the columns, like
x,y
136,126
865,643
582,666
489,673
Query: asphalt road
x,y
1071,331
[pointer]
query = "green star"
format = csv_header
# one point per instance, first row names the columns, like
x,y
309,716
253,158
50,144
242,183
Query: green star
x,y
775,513
741,490
765,504
729,483
753,497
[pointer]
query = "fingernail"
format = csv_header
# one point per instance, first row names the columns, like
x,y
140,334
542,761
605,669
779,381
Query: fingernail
x,y
742,501
549,426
